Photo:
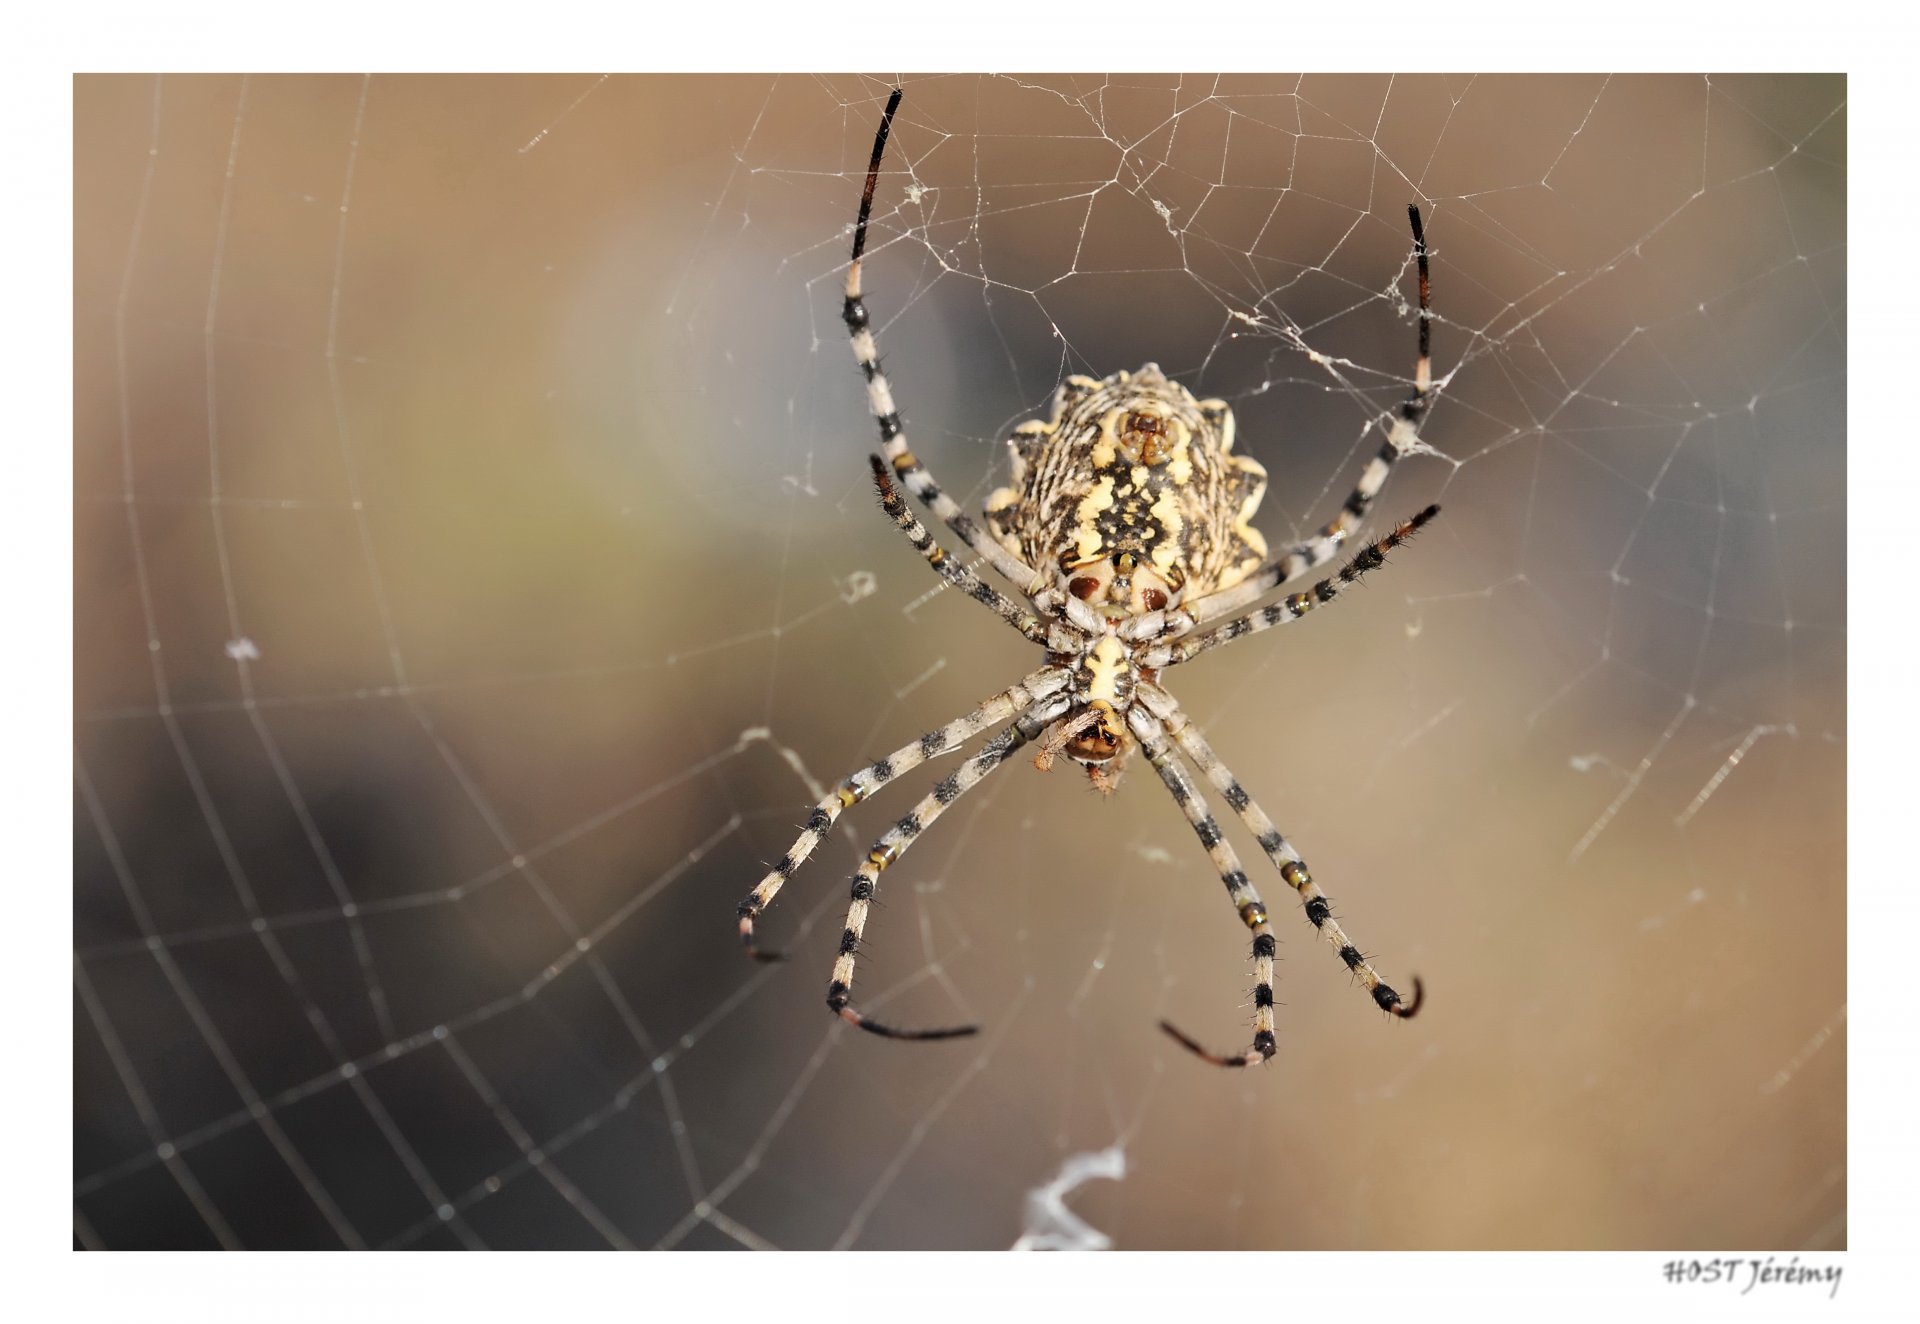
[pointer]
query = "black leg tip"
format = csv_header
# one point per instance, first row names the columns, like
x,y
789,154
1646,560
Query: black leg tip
x,y
1407,1010
1168,1028
890,1032
1262,1043
952,1032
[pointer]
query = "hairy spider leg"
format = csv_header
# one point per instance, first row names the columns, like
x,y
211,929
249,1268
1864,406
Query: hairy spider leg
x,y
956,575
866,352
895,842
1245,897
1279,850
1015,699
1403,434
1295,605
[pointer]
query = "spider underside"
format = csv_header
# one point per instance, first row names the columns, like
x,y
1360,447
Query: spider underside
x,y
1127,530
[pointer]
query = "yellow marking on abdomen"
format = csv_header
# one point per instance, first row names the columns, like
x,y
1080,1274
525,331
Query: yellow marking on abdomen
x,y
1166,511
1086,518
1180,448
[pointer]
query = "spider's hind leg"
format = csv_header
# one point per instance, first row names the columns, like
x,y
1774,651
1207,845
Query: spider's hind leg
x,y
913,475
1403,435
956,575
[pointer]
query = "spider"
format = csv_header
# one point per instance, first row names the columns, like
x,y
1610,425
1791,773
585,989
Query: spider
x,y
1127,527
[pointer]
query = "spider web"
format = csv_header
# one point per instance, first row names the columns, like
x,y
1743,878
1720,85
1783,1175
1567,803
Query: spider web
x,y
477,578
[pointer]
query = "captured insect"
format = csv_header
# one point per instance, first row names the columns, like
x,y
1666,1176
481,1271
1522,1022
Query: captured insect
x,y
1127,529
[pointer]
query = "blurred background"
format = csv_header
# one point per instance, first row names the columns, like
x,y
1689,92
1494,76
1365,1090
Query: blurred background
x,y
477,579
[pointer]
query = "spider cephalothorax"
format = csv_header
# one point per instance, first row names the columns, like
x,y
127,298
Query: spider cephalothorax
x,y
1126,529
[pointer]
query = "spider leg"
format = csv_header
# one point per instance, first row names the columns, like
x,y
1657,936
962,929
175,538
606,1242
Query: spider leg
x,y
1294,605
1241,892
1285,858
866,352
957,575
1015,699
895,842
1403,433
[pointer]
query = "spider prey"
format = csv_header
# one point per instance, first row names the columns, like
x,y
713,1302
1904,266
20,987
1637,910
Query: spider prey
x,y
1127,528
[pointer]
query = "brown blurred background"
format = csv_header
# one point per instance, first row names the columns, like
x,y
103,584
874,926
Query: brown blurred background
x,y
477,575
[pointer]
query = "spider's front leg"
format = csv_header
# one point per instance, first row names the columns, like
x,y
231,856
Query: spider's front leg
x,y
895,842
1245,898
1039,686
1279,850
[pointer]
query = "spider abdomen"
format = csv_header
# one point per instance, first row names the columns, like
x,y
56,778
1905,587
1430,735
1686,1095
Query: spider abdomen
x,y
1131,494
